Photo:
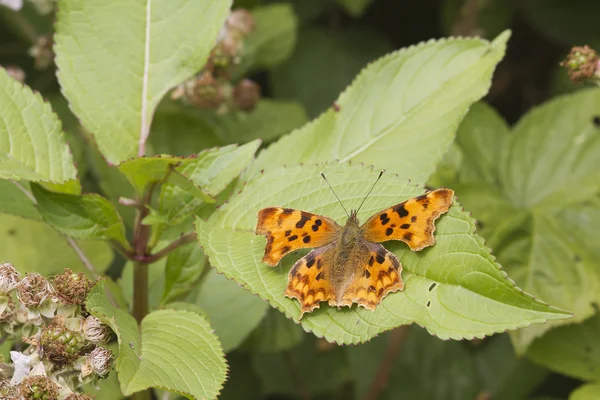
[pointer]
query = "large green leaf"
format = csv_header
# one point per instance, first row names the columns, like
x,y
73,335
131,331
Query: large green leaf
x,y
183,268
572,350
455,289
525,188
32,144
33,246
90,216
401,112
13,200
224,303
586,392
116,63
173,350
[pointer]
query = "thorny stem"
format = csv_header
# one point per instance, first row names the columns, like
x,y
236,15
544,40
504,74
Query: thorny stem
x,y
380,382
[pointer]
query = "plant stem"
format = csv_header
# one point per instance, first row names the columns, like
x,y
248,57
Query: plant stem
x,y
183,240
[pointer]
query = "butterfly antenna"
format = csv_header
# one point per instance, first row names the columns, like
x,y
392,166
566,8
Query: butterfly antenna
x,y
363,202
336,196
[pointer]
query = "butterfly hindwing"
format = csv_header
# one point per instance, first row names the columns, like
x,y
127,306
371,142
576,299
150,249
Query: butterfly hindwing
x,y
288,230
411,221
378,274
308,281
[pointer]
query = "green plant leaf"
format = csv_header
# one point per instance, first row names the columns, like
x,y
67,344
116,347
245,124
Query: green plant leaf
x,y
551,158
374,124
14,201
273,38
90,216
183,268
534,192
275,333
224,302
571,350
114,66
173,350
33,246
212,170
32,144
355,8
590,391
454,289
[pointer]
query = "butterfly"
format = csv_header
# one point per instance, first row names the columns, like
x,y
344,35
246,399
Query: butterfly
x,y
348,264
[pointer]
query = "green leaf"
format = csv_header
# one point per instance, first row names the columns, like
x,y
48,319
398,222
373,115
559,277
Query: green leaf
x,y
355,8
551,158
454,289
212,170
84,217
13,200
32,144
174,350
375,124
224,302
183,268
273,39
324,63
534,192
590,391
571,350
33,246
114,66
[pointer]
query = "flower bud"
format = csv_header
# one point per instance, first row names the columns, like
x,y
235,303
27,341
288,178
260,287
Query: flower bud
x,y
79,396
38,387
241,20
95,331
101,361
9,278
246,94
34,289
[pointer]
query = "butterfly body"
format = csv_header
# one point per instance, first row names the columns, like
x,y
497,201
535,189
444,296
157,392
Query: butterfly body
x,y
348,264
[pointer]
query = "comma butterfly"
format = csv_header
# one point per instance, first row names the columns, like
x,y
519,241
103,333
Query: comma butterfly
x,y
348,265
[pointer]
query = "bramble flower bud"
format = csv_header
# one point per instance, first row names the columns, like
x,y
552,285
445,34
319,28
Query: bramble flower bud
x,y
9,278
101,361
95,331
38,387
246,94
42,52
60,345
8,392
33,290
72,288
79,396
582,63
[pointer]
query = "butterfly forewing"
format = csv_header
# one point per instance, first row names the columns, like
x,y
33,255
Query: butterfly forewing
x,y
411,221
288,230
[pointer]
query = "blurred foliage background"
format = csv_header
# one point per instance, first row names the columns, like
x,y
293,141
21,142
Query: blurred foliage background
x,y
300,55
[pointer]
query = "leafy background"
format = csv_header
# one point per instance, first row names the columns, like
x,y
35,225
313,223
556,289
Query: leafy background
x,y
523,162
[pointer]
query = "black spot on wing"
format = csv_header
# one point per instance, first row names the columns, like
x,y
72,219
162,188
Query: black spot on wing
x,y
288,233
380,258
389,231
310,263
306,239
318,222
413,218
287,211
292,238
401,211
404,226
320,276
285,249
315,227
371,261
367,274
305,217
408,236
319,264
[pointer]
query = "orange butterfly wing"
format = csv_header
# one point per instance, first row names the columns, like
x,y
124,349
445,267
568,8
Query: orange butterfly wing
x,y
411,221
309,279
378,275
288,230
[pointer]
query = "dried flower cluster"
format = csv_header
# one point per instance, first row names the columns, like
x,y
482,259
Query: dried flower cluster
x,y
212,87
61,341
582,64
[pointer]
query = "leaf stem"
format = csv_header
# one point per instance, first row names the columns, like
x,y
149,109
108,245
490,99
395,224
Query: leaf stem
x,y
82,257
183,240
